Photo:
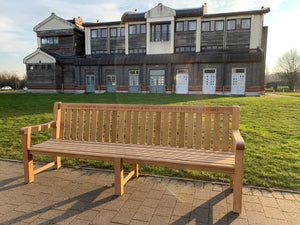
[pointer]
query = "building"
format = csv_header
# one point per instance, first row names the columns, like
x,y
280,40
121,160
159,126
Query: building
x,y
163,50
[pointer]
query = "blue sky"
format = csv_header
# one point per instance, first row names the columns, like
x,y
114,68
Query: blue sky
x,y
18,17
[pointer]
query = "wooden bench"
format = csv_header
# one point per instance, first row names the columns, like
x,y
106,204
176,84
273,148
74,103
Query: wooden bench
x,y
183,137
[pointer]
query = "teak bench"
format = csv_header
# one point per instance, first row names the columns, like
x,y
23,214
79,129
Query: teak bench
x,y
183,137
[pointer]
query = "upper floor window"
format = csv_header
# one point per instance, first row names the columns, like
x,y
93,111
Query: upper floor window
x,y
185,49
161,32
186,25
215,25
99,33
238,24
137,29
49,40
117,31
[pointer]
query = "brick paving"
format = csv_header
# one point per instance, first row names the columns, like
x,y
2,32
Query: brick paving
x,y
85,196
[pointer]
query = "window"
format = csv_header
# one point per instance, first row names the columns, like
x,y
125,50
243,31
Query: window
x,y
239,24
212,48
113,32
103,32
137,51
117,32
94,33
117,51
231,24
245,23
205,26
49,40
160,32
137,29
185,49
212,25
31,67
186,25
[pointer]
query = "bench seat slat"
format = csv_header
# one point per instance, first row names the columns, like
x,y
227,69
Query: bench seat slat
x,y
141,152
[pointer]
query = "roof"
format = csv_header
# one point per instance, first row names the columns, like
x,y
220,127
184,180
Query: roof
x,y
98,24
241,13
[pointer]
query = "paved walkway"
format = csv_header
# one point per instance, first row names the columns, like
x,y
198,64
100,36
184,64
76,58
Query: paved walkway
x,y
69,196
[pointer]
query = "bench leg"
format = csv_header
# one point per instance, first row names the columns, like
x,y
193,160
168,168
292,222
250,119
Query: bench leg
x,y
135,167
238,182
28,168
119,177
231,181
57,162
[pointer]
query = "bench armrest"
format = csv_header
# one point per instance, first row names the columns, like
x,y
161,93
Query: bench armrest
x,y
31,129
237,140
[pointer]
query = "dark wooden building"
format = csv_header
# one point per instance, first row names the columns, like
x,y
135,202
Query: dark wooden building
x,y
163,50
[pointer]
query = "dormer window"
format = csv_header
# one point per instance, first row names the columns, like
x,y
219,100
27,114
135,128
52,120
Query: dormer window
x,y
161,32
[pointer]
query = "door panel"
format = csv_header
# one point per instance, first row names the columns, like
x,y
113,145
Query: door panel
x,y
209,81
182,84
111,83
238,81
90,82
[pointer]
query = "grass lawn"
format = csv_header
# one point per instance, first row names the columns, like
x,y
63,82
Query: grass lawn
x,y
270,127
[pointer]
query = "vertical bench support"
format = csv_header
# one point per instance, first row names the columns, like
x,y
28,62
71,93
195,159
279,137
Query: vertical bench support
x,y
56,130
135,168
119,177
27,158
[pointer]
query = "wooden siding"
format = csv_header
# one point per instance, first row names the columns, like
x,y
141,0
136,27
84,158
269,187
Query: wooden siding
x,y
183,39
238,37
212,38
137,41
99,44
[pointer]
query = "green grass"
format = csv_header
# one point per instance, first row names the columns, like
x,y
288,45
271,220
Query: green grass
x,y
288,94
270,127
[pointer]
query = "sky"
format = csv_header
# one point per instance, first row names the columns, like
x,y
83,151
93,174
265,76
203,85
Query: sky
x,y
18,17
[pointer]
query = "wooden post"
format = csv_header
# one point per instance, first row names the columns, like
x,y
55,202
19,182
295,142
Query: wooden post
x,y
119,177
238,181
135,168
27,158
56,131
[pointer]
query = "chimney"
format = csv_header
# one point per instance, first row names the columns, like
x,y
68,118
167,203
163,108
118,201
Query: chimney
x,y
204,9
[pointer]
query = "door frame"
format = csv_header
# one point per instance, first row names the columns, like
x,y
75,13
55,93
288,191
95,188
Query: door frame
x,y
211,89
238,89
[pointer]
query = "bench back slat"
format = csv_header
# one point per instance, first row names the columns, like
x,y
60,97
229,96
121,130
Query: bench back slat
x,y
183,126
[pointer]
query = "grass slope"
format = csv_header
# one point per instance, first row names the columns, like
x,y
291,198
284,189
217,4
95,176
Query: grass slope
x,y
270,127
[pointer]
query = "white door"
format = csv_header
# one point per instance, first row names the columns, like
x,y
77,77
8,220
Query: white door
x,y
209,81
238,81
182,84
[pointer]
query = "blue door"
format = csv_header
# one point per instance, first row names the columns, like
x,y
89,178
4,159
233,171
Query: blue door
x,y
111,86
157,81
134,81
90,82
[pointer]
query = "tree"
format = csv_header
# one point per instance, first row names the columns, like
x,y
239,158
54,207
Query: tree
x,y
12,79
288,67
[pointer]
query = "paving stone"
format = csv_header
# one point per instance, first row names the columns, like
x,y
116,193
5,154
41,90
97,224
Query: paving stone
x,y
137,222
179,220
277,194
276,222
250,206
159,220
182,209
296,196
256,192
164,211
256,218
268,202
292,218
288,196
151,202
274,213
104,217
144,214
288,206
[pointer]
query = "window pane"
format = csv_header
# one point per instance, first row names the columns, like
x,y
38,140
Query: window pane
x,y
50,41
55,40
132,29
104,32
205,26
122,32
44,41
164,32
238,24
138,29
231,25
113,32
94,33
219,25
245,23
143,28
212,25
179,26
192,25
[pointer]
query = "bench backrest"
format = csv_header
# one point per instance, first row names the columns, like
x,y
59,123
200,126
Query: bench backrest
x,y
205,127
